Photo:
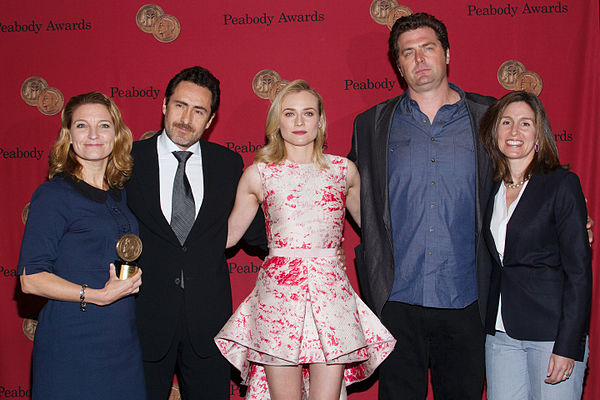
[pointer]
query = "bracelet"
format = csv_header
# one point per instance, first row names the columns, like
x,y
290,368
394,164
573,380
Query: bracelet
x,y
82,303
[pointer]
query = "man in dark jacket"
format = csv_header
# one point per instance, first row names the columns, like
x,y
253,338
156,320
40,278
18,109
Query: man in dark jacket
x,y
425,180
182,191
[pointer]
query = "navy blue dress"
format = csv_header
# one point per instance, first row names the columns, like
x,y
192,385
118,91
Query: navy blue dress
x,y
71,231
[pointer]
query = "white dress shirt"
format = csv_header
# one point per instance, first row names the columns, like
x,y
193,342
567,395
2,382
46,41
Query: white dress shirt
x,y
167,166
500,217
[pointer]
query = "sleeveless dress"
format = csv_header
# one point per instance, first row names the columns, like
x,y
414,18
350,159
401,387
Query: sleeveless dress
x,y
71,232
303,309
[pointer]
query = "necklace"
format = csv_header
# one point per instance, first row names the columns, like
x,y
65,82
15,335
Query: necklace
x,y
516,185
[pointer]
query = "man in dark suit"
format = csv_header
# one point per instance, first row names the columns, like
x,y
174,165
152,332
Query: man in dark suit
x,y
425,181
182,190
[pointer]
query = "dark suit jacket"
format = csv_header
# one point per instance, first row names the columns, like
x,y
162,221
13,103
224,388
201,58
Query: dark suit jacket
x,y
207,295
546,280
375,256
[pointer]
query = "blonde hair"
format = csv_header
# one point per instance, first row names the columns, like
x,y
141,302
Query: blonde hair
x,y
63,158
274,150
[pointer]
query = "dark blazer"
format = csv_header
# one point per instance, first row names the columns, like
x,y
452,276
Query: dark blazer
x,y
206,304
375,256
546,280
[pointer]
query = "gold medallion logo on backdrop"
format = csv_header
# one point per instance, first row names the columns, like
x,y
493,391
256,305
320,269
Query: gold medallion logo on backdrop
x,y
36,92
150,18
508,72
387,12
51,101
263,82
530,82
146,17
276,88
512,75
31,89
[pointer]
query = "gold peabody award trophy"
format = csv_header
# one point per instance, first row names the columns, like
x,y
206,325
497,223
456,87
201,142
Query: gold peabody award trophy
x,y
129,248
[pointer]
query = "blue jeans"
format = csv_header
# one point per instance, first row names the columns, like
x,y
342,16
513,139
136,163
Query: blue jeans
x,y
516,370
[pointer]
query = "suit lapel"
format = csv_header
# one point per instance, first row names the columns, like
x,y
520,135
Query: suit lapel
x,y
482,162
521,217
148,169
487,219
210,177
381,133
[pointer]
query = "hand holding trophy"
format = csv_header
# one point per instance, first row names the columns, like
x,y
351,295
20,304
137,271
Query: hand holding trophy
x,y
129,248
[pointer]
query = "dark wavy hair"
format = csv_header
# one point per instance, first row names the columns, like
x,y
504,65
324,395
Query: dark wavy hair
x,y
544,160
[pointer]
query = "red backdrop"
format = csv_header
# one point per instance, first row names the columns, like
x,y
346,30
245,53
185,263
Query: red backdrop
x,y
81,46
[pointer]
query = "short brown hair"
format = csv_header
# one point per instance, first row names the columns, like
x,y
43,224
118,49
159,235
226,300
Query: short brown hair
x,y
63,158
416,21
544,160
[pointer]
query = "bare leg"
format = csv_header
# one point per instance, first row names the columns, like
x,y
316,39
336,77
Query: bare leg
x,y
326,381
285,382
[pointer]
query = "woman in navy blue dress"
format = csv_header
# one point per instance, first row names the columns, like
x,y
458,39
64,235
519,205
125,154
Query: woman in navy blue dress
x,y
86,344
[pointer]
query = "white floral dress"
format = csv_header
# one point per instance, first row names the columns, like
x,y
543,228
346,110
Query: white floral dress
x,y
303,309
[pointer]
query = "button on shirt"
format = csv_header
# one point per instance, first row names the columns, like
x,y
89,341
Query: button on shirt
x,y
431,174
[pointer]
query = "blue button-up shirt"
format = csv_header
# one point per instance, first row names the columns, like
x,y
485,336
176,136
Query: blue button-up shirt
x,y
431,176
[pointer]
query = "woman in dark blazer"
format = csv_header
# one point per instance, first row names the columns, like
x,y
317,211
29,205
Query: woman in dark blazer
x,y
541,284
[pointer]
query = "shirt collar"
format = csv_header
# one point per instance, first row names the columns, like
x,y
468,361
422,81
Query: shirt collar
x,y
90,192
408,106
166,146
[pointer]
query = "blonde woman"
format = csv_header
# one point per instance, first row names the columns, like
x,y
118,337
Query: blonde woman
x,y
303,326
86,343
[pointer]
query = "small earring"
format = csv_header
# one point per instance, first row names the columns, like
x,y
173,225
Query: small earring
x,y
537,147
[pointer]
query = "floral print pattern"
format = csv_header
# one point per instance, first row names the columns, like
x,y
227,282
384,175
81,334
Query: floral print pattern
x,y
303,309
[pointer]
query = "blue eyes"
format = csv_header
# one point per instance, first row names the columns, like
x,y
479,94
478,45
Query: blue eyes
x,y
82,125
307,114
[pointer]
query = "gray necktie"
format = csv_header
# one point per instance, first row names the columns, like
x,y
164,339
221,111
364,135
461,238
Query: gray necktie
x,y
183,212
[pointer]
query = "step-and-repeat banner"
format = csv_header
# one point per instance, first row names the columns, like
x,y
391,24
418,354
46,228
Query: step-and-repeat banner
x,y
129,50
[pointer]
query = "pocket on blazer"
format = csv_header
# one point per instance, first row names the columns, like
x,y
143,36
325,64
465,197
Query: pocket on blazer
x,y
549,286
